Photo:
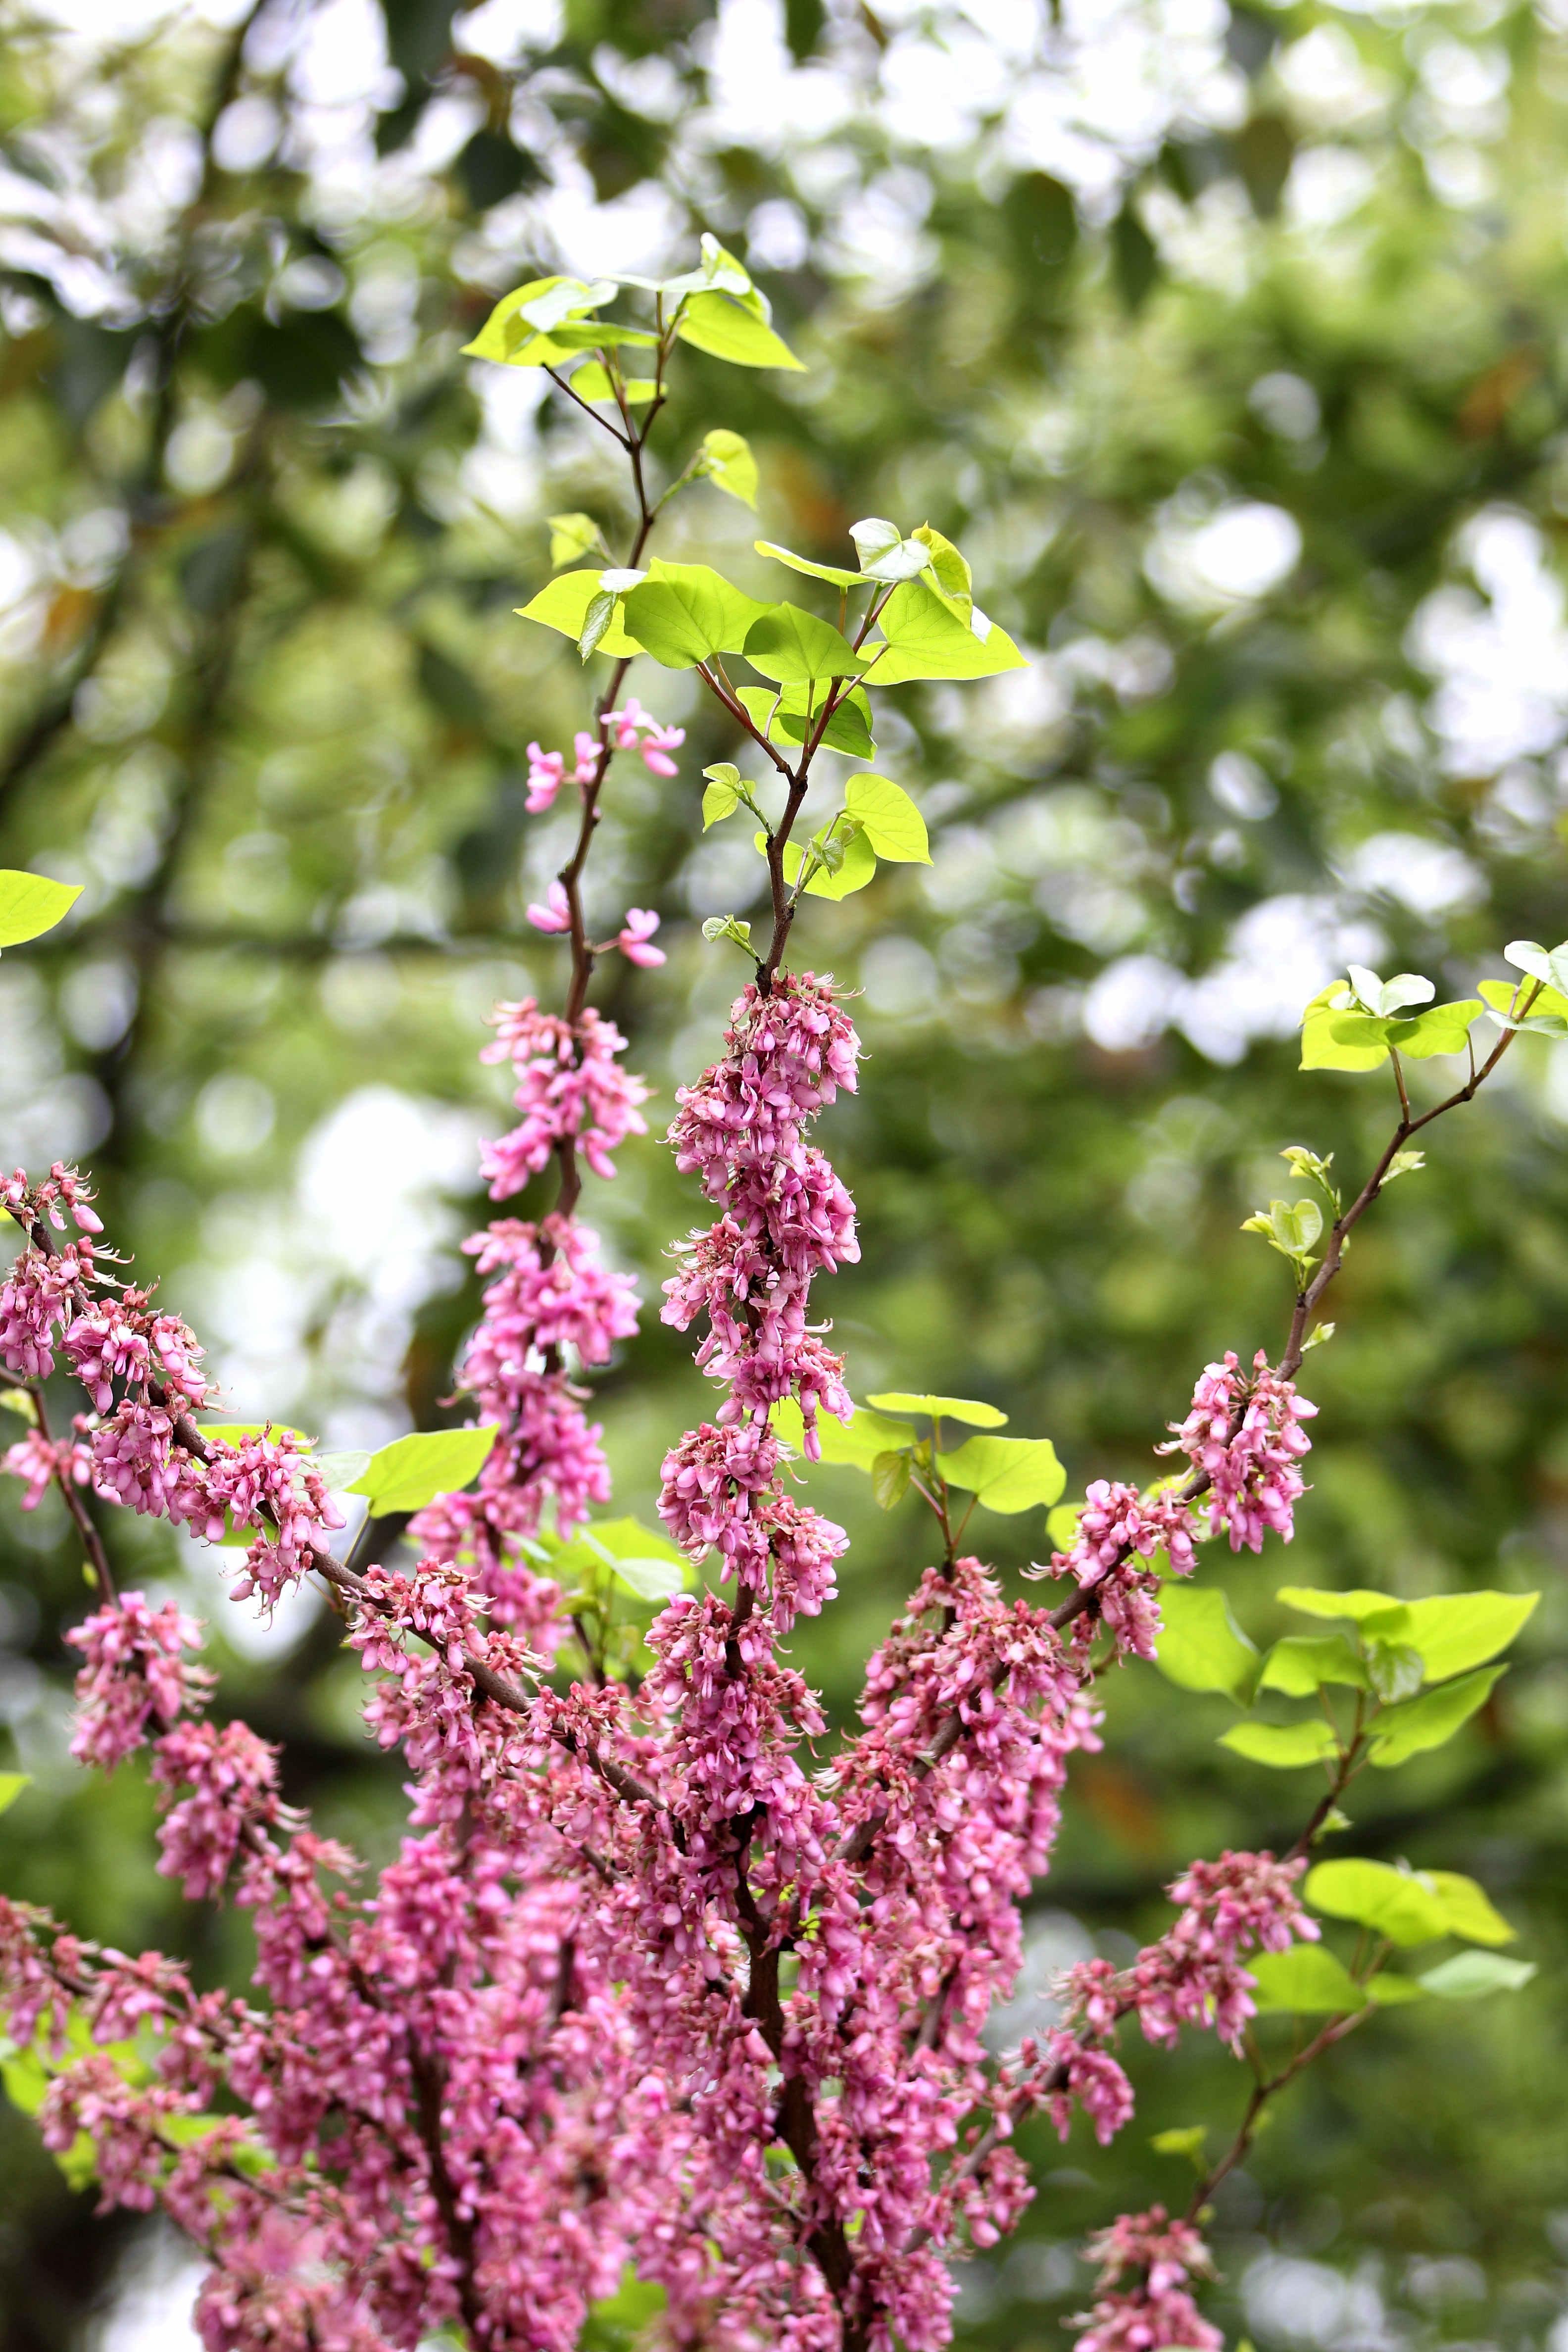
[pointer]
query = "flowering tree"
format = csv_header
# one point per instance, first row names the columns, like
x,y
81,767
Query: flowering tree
x,y
663,2005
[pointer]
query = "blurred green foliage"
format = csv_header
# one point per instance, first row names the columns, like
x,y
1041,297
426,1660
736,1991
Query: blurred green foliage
x,y
1231,347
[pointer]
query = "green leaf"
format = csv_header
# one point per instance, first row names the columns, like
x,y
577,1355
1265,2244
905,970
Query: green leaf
x,y
1306,1980
1386,1992
563,604
723,797
593,381
1394,1670
890,1479
893,825
1455,1631
1061,1525
885,555
950,573
11,1787
1469,1976
1322,1048
518,317
789,646
853,1445
1006,1473
1398,1904
734,328
1469,1910
412,1471
1441,1030
1201,1647
1433,1720
650,1579
628,1538
683,613
31,904
1188,2140
598,618
571,536
1548,965
1304,1663
857,867
1379,1610
926,638
965,1409
726,927
728,465
1548,1012
791,711
1290,1226
1387,997
1281,1746
26,2079
338,1471
833,571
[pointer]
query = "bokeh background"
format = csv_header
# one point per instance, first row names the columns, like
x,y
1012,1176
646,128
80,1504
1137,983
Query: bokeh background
x,y
1232,343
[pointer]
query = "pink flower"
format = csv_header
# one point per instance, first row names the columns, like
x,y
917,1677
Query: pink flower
x,y
623,729
657,746
556,914
546,774
1247,1438
588,748
633,938
1156,2310
134,1676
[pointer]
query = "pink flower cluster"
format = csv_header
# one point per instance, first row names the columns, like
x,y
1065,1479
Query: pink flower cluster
x,y
1117,1527
633,728
1160,2257
1246,1436
786,1218
570,1089
1195,1974
141,1366
135,1677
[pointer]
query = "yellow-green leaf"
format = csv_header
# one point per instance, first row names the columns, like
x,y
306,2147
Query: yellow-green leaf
x,y
563,604
1201,1647
1431,1719
944,1408
31,904
1469,1910
1454,1631
1398,1904
727,462
1379,1612
1006,1473
858,867
1306,1980
412,1471
734,330
1281,1746
926,638
894,825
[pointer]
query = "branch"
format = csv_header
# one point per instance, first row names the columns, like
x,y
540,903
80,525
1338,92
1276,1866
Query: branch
x,y
168,336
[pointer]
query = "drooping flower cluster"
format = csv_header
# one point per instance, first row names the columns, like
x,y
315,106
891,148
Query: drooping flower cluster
x,y
557,2036
1116,1528
141,1369
554,1308
1157,2258
570,1088
1246,1436
1195,1974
